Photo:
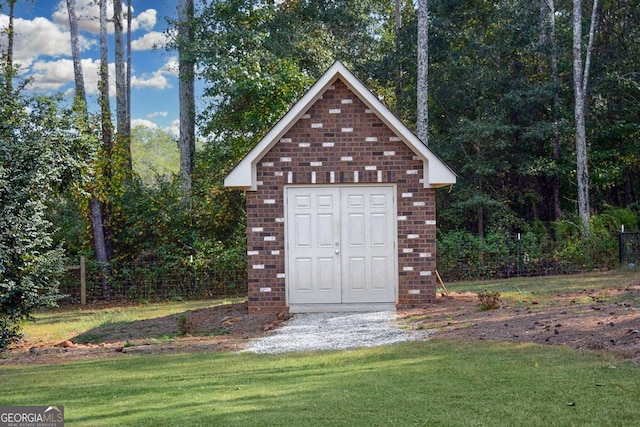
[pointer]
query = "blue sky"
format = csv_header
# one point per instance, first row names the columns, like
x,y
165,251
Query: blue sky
x,y
43,49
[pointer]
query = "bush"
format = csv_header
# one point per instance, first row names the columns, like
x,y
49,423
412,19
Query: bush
x,y
489,300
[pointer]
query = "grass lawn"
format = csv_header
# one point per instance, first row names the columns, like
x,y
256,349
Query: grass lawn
x,y
437,382
429,383
64,323
543,288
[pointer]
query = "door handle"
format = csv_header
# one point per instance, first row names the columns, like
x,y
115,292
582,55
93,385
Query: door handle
x,y
337,251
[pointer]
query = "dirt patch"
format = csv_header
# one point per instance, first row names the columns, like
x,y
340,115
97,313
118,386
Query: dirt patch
x,y
220,328
604,320
607,320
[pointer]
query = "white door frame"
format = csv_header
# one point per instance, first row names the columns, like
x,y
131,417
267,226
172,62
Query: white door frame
x,y
342,227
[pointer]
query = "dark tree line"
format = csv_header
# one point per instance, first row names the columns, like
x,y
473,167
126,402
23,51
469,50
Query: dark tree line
x,y
501,98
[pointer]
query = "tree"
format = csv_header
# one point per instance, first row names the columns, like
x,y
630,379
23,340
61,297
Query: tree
x,y
9,71
258,58
34,158
32,163
398,44
123,137
155,154
186,89
580,84
128,106
549,53
105,163
423,71
80,105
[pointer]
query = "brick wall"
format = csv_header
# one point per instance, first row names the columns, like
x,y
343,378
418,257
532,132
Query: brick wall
x,y
339,141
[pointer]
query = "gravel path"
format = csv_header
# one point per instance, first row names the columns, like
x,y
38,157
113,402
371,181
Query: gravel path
x,y
334,331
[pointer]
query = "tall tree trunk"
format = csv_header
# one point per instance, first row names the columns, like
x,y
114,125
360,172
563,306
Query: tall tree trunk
x,y
423,71
105,120
398,46
580,83
80,103
128,107
9,70
122,137
186,90
99,245
548,41
103,84
557,156
80,97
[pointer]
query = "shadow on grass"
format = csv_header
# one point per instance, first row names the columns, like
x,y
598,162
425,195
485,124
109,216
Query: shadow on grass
x,y
200,322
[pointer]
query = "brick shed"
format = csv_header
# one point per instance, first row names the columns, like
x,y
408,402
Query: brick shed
x,y
341,212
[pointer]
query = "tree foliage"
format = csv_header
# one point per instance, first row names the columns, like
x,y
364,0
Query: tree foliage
x,y
37,160
257,58
155,154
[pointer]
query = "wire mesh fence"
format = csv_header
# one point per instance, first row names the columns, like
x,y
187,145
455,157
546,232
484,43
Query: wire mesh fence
x,y
466,257
154,281
630,249
462,257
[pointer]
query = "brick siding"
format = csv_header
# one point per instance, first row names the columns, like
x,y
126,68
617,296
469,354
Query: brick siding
x,y
339,141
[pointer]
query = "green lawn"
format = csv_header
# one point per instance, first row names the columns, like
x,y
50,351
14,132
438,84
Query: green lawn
x,y
64,323
428,383
543,289
464,383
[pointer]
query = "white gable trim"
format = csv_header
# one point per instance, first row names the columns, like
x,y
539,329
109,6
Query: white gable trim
x,y
244,175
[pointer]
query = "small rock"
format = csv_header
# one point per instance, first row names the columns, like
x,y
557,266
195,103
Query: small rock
x,y
612,324
65,344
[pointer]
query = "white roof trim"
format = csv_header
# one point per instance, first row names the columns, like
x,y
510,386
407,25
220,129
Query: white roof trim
x,y
244,175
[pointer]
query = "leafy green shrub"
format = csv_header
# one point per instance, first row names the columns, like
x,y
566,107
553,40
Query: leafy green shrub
x,y
489,300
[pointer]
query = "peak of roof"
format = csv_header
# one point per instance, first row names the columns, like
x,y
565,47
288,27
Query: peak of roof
x,y
436,172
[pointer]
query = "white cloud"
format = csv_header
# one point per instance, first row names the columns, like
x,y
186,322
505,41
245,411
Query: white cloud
x,y
155,81
158,114
39,37
53,75
88,13
145,20
150,40
143,122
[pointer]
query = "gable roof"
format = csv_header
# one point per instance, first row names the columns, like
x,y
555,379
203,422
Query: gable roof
x,y
436,172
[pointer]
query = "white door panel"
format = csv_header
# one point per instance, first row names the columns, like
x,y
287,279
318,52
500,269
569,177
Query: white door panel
x,y
369,250
341,245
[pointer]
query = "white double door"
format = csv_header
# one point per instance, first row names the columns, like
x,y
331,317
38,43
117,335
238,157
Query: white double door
x,y
341,244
